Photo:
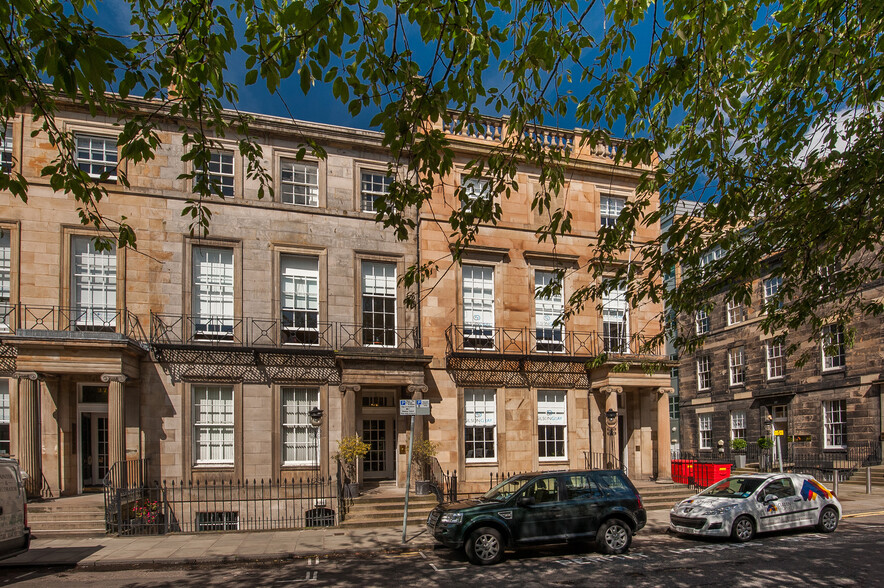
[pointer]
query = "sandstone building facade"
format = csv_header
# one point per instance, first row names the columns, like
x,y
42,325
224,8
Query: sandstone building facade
x,y
203,356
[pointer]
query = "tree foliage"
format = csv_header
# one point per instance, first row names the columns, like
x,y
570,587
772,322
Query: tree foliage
x,y
769,112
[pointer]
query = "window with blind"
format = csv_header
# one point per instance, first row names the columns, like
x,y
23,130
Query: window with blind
x,y
213,292
93,285
299,295
213,424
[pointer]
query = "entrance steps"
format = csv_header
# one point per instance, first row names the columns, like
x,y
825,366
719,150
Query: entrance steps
x,y
74,516
383,505
859,477
662,496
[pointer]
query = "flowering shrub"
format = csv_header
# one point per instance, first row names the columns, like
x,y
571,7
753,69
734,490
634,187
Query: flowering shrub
x,y
148,511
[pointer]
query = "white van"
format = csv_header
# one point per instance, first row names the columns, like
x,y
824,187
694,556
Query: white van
x,y
15,536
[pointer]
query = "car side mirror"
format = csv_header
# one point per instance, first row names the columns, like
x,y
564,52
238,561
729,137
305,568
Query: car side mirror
x,y
769,498
527,501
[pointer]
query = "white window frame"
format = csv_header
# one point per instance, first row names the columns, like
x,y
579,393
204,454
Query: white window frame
x,y
93,284
737,366
772,285
738,424
615,319
480,412
216,422
837,361
95,156
701,322
473,189
704,431
379,289
299,183
220,170
549,336
299,295
6,162
775,360
296,402
835,424
212,276
736,312
372,185
552,412
610,208
478,306
5,279
704,373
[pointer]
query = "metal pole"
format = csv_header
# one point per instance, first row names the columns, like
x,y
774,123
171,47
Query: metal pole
x,y
779,452
835,481
868,480
408,479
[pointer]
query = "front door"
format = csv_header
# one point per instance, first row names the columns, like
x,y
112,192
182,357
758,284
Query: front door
x,y
380,435
93,448
781,424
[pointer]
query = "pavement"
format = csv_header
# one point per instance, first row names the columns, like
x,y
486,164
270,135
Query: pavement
x,y
110,552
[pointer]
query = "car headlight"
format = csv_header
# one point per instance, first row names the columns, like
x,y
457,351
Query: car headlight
x,y
723,509
451,518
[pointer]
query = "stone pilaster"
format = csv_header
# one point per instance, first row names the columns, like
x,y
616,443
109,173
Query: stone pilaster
x,y
611,433
30,448
348,408
116,427
664,457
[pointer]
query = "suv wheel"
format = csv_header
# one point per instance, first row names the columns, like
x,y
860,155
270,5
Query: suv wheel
x,y
614,537
484,547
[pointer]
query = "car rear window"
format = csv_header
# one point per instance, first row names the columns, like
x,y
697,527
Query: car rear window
x,y
580,486
613,480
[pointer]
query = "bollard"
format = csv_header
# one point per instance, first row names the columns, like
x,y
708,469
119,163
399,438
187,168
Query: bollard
x,y
835,482
868,480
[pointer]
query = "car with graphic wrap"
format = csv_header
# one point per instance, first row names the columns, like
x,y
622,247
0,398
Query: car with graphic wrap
x,y
546,507
741,506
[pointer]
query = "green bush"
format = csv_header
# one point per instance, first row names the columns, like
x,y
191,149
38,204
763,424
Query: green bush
x,y
739,445
350,451
765,443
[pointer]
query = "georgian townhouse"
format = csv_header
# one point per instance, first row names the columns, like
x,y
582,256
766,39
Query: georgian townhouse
x,y
512,388
203,356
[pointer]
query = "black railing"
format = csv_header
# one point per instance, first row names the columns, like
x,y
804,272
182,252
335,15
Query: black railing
x,y
249,505
443,484
27,317
600,461
546,341
176,329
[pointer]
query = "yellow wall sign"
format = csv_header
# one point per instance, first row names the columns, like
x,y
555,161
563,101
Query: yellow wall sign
x,y
778,432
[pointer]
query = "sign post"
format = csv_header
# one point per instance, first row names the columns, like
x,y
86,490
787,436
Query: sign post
x,y
412,408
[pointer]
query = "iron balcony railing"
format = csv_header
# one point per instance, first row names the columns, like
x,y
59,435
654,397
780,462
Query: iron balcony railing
x,y
547,341
176,329
83,319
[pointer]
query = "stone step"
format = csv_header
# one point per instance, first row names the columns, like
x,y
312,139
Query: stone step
x,y
430,498
389,508
42,517
382,522
54,533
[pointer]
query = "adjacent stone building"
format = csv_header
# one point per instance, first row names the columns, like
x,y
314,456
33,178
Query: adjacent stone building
x,y
204,356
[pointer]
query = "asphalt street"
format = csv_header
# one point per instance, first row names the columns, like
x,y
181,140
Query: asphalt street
x,y
796,558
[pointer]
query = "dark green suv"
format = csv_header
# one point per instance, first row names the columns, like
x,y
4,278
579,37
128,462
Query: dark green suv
x,y
546,507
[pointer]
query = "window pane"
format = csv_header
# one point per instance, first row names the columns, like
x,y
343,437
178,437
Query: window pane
x,y
379,303
96,156
93,284
546,311
478,307
374,185
299,437
299,183
213,290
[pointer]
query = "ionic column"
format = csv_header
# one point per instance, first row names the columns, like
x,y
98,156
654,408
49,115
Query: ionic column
x,y
30,449
116,426
611,433
664,458
348,408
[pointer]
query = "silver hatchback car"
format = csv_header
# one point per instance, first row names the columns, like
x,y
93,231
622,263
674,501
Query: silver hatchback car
x,y
741,506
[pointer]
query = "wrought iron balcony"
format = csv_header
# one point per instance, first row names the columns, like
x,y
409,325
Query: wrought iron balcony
x,y
79,322
284,333
549,342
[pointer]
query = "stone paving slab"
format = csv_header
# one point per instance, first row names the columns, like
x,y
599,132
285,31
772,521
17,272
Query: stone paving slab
x,y
206,548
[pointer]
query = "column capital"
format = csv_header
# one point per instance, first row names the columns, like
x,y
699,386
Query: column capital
x,y
413,389
344,388
608,390
120,378
666,391
32,376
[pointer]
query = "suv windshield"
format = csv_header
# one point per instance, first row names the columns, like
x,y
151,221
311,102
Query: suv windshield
x,y
733,488
505,489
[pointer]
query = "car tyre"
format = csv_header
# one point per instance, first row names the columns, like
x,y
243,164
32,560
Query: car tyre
x,y
614,537
828,520
743,529
485,546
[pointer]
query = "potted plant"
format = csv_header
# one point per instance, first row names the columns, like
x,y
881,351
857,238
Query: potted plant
x,y
738,449
350,451
422,454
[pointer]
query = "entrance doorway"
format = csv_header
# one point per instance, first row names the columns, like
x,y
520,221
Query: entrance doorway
x,y
380,433
93,449
780,414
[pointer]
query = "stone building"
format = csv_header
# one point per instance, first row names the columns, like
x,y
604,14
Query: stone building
x,y
512,390
741,385
203,356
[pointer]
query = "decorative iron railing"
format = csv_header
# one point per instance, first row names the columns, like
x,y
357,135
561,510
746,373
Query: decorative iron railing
x,y
28,317
381,337
443,484
600,461
548,342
